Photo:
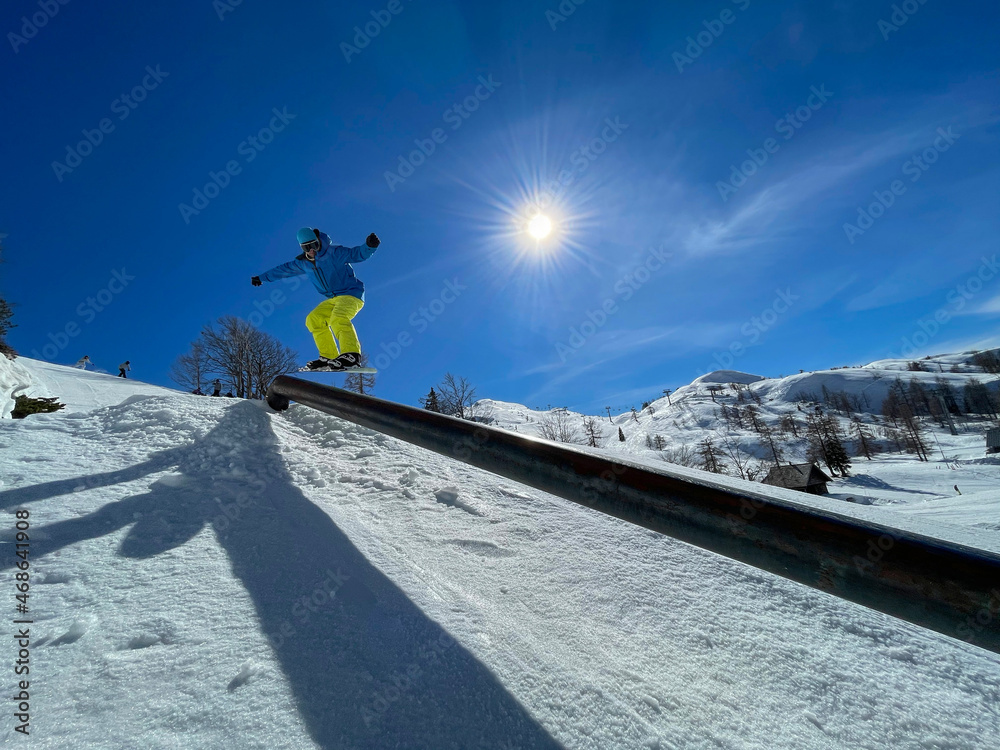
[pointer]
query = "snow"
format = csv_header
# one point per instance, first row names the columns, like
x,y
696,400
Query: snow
x,y
15,379
207,574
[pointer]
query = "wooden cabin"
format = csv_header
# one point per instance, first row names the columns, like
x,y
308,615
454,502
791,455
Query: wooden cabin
x,y
802,477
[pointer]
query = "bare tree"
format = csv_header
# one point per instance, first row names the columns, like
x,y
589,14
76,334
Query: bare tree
x,y
556,426
456,396
746,465
682,456
595,436
248,358
190,370
360,382
709,455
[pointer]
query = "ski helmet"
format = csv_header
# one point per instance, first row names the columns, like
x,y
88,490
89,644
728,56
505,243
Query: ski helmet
x,y
306,234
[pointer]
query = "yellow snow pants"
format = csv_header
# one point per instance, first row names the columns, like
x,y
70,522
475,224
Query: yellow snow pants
x,y
335,315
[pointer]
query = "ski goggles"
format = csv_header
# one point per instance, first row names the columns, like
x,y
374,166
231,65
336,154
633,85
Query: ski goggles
x,y
314,245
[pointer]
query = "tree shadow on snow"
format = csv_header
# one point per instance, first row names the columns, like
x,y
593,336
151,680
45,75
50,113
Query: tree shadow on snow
x,y
367,667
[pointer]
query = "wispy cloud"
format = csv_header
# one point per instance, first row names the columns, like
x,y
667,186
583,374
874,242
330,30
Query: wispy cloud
x,y
990,307
776,207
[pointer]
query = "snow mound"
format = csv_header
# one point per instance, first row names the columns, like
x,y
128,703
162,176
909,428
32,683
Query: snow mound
x,y
727,376
79,390
14,379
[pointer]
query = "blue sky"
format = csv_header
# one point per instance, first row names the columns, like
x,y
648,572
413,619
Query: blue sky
x,y
626,121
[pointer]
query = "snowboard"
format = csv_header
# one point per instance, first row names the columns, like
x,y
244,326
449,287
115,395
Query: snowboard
x,y
362,370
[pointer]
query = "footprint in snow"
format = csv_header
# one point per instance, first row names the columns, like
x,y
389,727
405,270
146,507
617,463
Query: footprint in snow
x,y
480,547
144,640
76,631
449,496
56,578
248,670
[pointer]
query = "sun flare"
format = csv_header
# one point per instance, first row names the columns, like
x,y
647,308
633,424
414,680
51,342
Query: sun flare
x,y
540,227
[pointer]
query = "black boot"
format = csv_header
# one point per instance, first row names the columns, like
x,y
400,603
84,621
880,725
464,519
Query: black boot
x,y
346,360
321,364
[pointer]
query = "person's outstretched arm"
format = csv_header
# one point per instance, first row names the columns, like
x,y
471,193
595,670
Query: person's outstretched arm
x,y
291,268
361,252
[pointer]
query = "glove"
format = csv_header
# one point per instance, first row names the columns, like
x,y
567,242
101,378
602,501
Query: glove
x,y
373,241
256,281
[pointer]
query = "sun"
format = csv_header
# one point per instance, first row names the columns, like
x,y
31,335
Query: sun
x,y
540,227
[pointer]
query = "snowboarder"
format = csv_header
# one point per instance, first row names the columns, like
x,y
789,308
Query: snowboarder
x,y
83,362
328,266
216,387
123,368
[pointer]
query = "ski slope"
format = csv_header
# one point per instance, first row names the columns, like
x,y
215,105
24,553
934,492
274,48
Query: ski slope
x,y
208,574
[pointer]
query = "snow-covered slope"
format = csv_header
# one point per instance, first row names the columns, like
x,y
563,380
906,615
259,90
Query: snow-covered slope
x,y
691,414
206,574
79,390
14,380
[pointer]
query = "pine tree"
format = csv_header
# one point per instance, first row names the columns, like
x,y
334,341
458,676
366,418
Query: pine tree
x,y
826,444
837,458
25,405
621,435
659,443
430,402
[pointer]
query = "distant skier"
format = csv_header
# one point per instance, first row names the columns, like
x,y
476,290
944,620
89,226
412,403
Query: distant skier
x,y
83,362
216,387
328,266
123,368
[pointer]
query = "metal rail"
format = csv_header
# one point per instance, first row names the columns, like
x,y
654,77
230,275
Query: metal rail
x,y
937,584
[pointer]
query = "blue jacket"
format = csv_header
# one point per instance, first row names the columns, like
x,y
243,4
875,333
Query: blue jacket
x,y
331,273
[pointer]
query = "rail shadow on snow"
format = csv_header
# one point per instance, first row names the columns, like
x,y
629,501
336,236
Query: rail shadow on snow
x,y
368,668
